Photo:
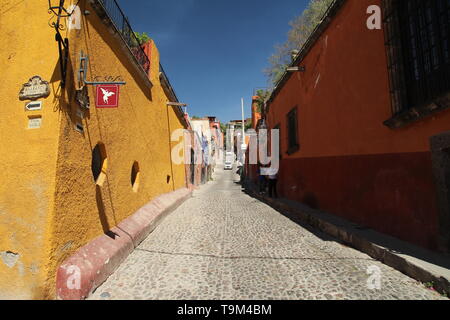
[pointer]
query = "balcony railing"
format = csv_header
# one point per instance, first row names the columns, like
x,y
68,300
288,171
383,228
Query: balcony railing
x,y
166,79
122,25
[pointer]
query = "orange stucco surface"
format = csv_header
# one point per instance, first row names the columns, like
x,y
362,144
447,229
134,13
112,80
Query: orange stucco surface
x,y
349,163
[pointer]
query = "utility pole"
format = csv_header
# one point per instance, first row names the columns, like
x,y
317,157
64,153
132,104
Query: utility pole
x,y
243,123
242,146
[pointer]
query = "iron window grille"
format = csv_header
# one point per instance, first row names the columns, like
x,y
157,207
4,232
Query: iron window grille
x,y
123,26
417,49
292,129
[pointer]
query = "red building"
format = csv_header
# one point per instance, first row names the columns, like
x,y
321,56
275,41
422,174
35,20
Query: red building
x,y
256,114
364,120
217,136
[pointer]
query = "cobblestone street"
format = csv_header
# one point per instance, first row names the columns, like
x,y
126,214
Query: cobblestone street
x,y
223,244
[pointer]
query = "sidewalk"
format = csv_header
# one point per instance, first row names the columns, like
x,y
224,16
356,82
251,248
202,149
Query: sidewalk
x,y
84,271
420,264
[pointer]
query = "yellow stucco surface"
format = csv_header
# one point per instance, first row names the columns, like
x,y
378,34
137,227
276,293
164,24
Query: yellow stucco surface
x,y
50,204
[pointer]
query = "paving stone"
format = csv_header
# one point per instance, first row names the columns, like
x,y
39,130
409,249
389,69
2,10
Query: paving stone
x,y
224,245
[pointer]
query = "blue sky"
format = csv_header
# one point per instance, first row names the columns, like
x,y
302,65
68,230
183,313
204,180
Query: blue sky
x,y
214,51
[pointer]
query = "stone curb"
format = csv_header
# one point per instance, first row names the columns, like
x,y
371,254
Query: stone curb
x,y
83,272
351,236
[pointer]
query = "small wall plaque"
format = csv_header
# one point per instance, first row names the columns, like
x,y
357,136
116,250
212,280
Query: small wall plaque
x,y
34,122
34,89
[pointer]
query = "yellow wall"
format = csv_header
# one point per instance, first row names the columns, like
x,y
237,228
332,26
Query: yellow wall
x,y
28,157
50,204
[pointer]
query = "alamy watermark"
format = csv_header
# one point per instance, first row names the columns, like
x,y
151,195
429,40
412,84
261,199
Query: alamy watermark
x,y
261,148
374,280
74,278
375,20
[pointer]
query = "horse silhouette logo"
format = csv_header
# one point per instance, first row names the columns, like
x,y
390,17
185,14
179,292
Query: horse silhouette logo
x,y
106,95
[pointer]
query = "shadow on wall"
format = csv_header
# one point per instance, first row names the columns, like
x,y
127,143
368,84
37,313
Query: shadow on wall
x,y
59,93
63,97
102,214
311,200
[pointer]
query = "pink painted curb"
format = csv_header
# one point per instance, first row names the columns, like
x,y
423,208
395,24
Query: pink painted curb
x,y
83,272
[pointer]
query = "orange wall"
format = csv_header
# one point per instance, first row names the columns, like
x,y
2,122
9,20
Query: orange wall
x,y
343,97
349,163
256,116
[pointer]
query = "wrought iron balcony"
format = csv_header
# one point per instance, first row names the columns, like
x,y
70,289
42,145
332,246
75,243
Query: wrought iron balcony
x,y
121,23
164,77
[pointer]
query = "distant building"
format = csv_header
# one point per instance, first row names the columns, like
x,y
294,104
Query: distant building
x,y
217,140
235,128
209,131
193,155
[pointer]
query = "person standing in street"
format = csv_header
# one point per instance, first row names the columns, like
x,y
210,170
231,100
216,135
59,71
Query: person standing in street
x,y
273,181
261,180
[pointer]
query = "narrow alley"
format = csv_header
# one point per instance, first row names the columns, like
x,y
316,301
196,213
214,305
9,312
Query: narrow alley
x,y
225,151
222,244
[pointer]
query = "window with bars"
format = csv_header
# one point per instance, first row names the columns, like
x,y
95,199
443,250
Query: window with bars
x,y
292,130
418,54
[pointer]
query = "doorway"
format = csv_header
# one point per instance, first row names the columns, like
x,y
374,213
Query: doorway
x,y
440,149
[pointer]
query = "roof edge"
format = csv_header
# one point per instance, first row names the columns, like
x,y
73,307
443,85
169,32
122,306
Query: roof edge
x,y
310,42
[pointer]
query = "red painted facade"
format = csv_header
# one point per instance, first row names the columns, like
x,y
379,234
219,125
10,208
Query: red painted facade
x,y
349,163
256,116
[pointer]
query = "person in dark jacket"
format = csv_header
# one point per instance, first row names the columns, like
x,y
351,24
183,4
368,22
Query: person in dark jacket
x,y
273,181
261,181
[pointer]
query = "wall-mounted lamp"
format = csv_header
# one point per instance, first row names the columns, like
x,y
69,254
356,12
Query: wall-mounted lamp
x,y
176,104
296,69
57,7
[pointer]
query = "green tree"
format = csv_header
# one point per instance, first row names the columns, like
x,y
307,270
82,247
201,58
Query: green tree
x,y
223,128
142,37
248,125
301,29
263,95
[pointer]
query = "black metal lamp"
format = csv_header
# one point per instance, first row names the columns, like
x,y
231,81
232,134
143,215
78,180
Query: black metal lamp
x,y
63,43
58,10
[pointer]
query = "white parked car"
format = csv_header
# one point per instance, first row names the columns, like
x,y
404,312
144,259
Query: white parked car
x,y
229,160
